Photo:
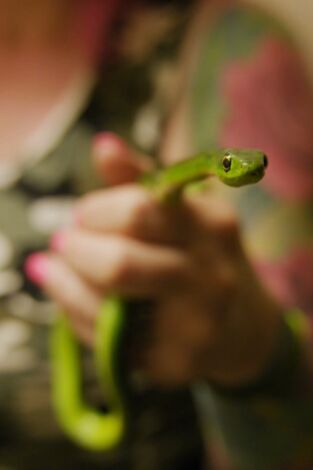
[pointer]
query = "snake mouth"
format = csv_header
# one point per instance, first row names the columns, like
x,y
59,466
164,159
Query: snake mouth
x,y
259,173
255,176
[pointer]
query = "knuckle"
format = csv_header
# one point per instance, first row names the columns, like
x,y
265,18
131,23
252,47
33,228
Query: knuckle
x,y
140,206
71,305
227,278
86,201
83,208
120,272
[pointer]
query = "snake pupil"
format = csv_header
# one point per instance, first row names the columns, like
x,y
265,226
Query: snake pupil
x,y
265,161
227,162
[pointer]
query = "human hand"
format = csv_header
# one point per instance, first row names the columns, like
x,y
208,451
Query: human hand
x,y
212,318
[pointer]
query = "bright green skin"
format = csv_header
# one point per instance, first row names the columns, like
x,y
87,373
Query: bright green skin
x,y
86,426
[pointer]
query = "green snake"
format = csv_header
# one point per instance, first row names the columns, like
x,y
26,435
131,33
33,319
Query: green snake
x,y
87,426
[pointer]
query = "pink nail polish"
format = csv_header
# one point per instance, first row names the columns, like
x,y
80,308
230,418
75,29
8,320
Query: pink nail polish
x,y
35,268
57,242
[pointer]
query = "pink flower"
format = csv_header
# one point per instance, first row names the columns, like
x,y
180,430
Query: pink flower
x,y
270,104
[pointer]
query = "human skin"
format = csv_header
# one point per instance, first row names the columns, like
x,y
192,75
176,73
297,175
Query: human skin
x,y
213,320
55,45
42,20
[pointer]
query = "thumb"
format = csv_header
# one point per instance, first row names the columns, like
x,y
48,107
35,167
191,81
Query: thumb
x,y
116,162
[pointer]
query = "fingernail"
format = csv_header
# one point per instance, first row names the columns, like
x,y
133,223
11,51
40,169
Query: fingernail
x,y
57,242
35,268
107,142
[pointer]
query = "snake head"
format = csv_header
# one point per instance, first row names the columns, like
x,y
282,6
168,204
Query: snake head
x,y
238,167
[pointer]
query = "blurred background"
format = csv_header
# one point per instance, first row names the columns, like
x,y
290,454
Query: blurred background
x,y
69,69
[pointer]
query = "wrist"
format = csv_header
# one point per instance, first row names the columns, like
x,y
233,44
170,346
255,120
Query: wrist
x,y
247,343
285,370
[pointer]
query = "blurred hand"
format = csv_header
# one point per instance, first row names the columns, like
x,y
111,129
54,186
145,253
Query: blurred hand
x,y
212,320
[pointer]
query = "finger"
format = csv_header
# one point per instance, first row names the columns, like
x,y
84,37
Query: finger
x,y
116,162
79,301
210,219
169,358
85,332
115,263
127,210
167,365
210,211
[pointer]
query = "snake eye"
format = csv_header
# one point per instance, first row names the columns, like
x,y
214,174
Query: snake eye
x,y
265,161
226,162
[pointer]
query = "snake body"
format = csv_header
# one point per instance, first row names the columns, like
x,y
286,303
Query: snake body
x,y
87,426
